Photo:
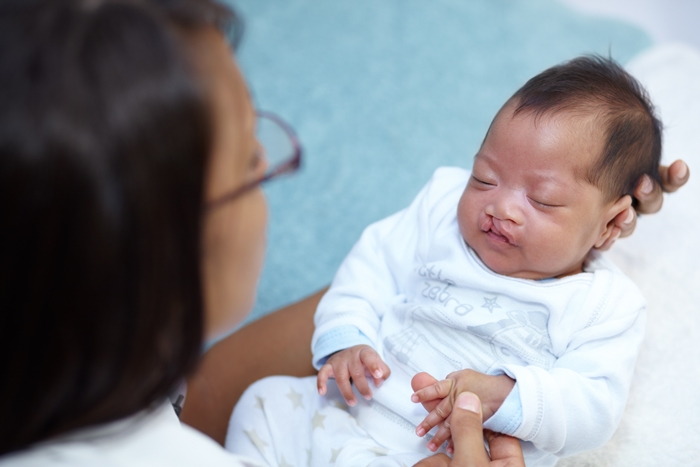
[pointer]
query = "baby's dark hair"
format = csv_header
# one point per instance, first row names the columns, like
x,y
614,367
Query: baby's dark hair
x,y
632,132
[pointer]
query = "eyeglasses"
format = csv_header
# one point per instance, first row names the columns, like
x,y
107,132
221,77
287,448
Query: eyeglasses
x,y
282,152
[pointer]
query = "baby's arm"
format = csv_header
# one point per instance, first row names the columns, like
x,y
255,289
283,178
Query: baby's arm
x,y
492,391
368,283
577,404
353,366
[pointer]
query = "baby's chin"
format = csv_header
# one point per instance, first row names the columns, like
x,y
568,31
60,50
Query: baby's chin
x,y
505,266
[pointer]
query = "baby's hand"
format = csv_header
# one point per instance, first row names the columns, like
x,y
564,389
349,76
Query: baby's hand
x,y
438,397
353,365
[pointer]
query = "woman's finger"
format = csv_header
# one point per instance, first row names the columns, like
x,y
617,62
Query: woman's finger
x,y
505,449
438,460
467,432
626,222
674,176
649,195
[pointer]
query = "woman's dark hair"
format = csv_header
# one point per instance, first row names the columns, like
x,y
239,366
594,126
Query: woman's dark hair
x,y
632,131
104,137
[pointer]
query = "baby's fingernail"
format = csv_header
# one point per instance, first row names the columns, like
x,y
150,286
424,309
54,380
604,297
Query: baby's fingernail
x,y
647,185
469,401
378,373
414,398
420,431
352,402
367,396
683,172
450,450
630,215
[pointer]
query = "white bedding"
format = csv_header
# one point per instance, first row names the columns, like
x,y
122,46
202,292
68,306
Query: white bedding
x,y
661,424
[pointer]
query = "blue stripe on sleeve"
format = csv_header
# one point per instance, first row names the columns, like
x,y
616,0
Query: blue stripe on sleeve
x,y
509,416
336,339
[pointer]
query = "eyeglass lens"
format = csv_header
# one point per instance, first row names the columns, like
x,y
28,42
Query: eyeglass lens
x,y
277,143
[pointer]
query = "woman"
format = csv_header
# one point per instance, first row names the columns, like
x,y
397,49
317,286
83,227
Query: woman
x,y
133,228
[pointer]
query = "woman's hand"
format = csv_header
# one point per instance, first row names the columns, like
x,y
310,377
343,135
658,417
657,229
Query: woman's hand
x,y
650,197
468,436
353,365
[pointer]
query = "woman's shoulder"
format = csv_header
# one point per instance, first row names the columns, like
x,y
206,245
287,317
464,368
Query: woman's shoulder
x,y
154,439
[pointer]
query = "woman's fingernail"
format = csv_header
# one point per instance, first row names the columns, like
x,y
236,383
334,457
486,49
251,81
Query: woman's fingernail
x,y
414,398
432,446
420,431
378,374
683,172
630,216
647,185
469,401
352,402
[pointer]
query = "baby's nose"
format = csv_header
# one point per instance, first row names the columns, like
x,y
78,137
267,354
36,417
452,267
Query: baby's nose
x,y
507,208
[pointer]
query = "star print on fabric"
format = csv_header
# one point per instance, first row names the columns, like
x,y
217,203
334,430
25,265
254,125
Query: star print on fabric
x,y
295,397
259,403
256,440
378,451
334,454
490,304
317,421
283,463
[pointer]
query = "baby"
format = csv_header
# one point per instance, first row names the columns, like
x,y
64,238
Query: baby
x,y
488,281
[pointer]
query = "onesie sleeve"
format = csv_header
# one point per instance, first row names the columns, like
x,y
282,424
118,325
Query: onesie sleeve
x,y
368,282
577,404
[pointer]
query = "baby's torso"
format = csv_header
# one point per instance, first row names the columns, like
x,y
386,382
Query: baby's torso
x,y
453,313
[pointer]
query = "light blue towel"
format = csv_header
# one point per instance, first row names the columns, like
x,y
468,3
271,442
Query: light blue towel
x,y
381,93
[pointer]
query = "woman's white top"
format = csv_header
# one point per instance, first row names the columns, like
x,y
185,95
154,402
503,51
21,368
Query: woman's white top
x,y
153,438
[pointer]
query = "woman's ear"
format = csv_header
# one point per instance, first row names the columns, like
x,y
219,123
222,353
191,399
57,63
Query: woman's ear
x,y
613,210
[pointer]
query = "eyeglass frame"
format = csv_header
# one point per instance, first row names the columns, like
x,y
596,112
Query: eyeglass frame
x,y
287,166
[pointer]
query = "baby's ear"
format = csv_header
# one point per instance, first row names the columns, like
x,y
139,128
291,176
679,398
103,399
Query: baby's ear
x,y
611,212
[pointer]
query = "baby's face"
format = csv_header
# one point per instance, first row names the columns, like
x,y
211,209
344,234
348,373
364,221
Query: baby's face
x,y
527,211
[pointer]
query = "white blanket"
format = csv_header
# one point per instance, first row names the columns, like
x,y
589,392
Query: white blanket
x,y
661,424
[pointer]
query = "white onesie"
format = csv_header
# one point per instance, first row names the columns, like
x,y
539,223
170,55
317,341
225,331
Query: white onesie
x,y
412,289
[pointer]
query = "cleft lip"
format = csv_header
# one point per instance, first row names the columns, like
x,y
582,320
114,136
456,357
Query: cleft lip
x,y
499,229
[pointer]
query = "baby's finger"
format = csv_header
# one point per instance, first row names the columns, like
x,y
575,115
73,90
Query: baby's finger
x,y
431,420
450,446
442,435
438,390
357,372
324,373
386,371
342,379
373,362
437,415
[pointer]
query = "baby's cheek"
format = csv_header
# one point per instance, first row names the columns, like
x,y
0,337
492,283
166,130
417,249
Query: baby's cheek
x,y
466,215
